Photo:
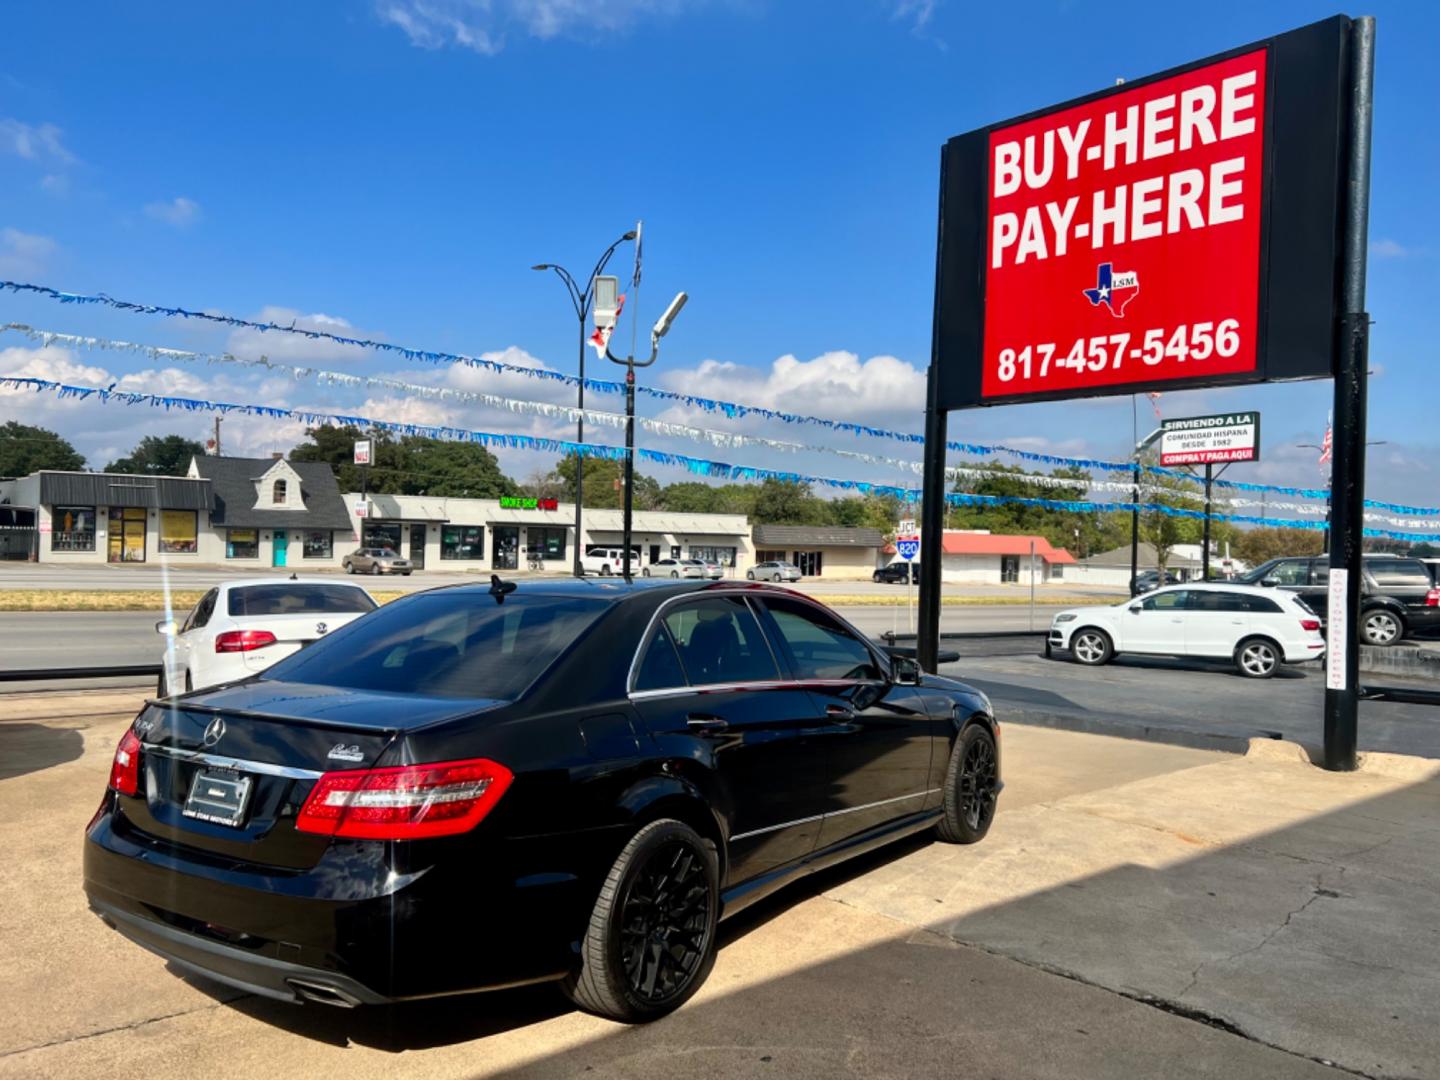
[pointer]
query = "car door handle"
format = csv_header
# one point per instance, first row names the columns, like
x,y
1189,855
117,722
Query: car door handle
x,y
839,713
706,722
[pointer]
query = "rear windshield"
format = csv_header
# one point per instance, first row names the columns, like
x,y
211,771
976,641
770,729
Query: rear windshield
x,y
290,598
451,644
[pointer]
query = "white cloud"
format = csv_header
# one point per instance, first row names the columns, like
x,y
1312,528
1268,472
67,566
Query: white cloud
x,y
916,12
1391,249
293,348
482,25
883,390
24,254
37,142
179,211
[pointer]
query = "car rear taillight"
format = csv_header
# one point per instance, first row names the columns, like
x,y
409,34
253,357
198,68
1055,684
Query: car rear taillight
x,y
243,640
1309,624
125,769
1432,598
410,802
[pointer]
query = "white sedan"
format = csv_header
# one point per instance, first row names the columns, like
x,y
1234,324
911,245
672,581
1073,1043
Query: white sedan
x,y
681,568
1256,629
242,627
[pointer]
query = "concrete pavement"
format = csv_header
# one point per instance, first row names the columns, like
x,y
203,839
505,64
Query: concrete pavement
x,y
1131,901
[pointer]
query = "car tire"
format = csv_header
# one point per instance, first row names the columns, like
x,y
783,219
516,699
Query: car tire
x,y
347,568
605,570
669,860
407,573
875,577
1258,658
1091,647
749,575
1381,628
374,569
675,573
645,571
970,788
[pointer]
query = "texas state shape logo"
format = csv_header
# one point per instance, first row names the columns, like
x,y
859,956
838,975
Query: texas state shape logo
x,y
1113,288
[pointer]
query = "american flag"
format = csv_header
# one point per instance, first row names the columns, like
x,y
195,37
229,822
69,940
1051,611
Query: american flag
x,y
1325,446
601,337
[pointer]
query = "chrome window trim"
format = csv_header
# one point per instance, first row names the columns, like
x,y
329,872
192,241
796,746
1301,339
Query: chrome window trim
x,y
690,688
833,813
220,761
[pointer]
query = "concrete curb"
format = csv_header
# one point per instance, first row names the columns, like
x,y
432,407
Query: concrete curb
x,y
1132,729
1409,661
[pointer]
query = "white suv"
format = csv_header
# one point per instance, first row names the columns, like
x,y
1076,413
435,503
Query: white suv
x,y
1257,629
608,560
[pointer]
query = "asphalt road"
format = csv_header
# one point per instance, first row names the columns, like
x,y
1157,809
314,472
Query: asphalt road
x,y
1166,699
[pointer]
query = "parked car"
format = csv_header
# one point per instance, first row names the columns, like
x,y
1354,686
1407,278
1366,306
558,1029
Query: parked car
x,y
605,561
373,560
897,571
240,628
1149,580
676,568
1398,596
714,571
476,787
1257,629
773,571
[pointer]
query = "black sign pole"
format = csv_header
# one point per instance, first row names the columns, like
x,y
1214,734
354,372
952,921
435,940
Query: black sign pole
x,y
1347,509
1205,541
1135,527
932,530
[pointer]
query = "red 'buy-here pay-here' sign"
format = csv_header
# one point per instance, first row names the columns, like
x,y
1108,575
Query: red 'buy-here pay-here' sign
x,y
1124,236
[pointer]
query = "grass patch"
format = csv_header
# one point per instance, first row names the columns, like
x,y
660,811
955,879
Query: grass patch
x,y
181,600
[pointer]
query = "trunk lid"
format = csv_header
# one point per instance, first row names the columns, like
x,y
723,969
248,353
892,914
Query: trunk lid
x,y
227,772
292,633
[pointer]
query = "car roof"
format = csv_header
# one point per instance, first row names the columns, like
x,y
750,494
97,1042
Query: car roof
x,y
614,590
240,583
1220,586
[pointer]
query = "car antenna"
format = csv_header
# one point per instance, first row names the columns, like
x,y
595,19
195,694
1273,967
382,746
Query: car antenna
x,y
500,589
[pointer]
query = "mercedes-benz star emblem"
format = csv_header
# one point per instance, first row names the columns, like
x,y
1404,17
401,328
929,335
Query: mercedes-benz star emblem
x,y
320,628
215,732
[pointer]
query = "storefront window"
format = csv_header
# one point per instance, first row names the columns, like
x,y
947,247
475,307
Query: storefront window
x,y
179,533
547,543
319,544
725,556
462,542
72,528
242,543
382,534
771,556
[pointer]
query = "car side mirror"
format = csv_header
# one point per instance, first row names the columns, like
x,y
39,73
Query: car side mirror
x,y
166,627
1135,609
907,671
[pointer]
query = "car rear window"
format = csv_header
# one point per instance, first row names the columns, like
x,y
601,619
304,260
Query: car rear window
x,y
1405,573
450,644
289,598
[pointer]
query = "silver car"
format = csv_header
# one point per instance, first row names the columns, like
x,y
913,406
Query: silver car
x,y
374,560
713,570
773,571
675,568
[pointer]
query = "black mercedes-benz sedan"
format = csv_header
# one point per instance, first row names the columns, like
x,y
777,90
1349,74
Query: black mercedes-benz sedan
x,y
475,787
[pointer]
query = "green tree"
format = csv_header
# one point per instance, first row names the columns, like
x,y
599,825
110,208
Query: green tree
x,y
24,449
787,502
603,490
159,455
409,465
1259,545
691,497
1079,532
881,512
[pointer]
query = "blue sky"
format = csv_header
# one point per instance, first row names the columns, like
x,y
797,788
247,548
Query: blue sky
x,y
399,165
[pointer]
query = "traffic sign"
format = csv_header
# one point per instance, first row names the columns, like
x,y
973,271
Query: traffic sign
x,y
907,528
908,547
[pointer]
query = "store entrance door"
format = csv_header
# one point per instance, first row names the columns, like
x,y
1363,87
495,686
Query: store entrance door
x,y
507,547
280,549
417,546
127,535
811,563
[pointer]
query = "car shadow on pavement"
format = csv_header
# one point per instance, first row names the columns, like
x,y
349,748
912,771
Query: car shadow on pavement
x,y
1176,663
27,748
423,1025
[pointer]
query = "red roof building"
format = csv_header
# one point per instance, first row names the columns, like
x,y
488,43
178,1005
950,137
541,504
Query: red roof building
x,y
997,557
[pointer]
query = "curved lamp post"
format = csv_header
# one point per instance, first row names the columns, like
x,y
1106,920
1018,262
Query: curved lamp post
x,y
581,299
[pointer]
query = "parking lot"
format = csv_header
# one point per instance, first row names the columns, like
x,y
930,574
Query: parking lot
x,y
1138,910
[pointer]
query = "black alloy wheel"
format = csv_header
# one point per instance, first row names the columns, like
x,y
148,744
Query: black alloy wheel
x,y
971,788
651,939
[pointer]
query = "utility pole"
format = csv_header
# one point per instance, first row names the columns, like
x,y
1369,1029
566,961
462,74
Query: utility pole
x,y
217,436
1205,541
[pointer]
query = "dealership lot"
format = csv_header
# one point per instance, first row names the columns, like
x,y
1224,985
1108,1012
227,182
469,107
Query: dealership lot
x,y
1243,887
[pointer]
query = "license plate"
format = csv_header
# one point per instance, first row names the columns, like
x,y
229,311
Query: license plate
x,y
218,797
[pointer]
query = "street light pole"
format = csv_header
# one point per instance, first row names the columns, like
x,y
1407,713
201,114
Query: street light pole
x,y
660,329
581,301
